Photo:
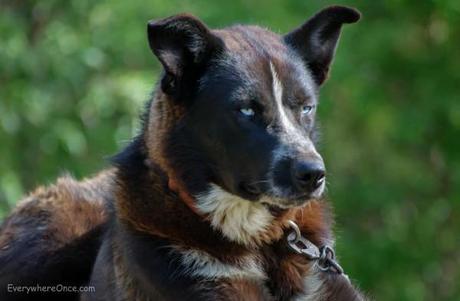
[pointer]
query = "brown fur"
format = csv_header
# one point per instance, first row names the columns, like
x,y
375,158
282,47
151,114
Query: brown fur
x,y
240,289
67,209
184,226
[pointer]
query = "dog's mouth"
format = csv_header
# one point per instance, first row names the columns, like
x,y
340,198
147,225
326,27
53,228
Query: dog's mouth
x,y
280,198
287,202
250,191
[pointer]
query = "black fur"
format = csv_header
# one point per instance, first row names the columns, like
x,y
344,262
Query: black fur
x,y
201,137
27,264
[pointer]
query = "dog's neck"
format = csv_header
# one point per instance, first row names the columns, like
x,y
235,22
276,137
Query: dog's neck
x,y
145,203
176,186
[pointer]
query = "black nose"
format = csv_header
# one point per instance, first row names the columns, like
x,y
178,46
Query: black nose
x,y
308,176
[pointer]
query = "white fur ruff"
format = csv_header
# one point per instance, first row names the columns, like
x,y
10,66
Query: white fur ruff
x,y
238,219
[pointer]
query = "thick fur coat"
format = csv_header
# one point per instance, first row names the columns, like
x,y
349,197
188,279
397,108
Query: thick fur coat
x,y
198,206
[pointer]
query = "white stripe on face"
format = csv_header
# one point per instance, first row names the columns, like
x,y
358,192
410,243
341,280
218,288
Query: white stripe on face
x,y
291,134
295,142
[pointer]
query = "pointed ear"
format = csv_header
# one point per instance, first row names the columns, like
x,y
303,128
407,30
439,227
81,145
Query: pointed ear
x,y
183,44
317,38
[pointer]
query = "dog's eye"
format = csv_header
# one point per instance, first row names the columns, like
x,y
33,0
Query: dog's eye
x,y
306,109
247,112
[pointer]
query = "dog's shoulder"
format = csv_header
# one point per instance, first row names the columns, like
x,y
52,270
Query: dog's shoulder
x,y
54,232
64,211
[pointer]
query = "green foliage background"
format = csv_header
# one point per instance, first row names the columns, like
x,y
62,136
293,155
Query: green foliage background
x,y
74,75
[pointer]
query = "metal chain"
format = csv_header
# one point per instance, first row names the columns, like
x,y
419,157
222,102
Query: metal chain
x,y
324,256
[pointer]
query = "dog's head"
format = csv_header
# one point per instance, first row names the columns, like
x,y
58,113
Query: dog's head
x,y
235,108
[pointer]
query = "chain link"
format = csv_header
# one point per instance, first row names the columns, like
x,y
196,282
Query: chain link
x,y
324,256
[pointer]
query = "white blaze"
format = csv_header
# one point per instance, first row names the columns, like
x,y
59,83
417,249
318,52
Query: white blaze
x,y
291,133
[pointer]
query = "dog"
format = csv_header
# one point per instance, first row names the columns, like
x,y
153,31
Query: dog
x,y
220,196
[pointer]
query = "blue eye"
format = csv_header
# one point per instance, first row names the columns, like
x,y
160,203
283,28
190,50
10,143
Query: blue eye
x,y
307,109
247,112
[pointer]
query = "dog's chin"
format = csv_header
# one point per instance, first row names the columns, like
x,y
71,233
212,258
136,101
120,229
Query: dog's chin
x,y
284,203
291,200
276,198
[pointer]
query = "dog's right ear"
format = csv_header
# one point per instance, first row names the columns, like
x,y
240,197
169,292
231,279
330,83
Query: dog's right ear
x,y
317,38
183,44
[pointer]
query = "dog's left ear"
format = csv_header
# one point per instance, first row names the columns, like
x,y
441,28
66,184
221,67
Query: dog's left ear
x,y
183,44
317,38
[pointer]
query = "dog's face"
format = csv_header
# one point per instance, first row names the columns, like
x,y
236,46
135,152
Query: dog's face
x,y
253,117
250,98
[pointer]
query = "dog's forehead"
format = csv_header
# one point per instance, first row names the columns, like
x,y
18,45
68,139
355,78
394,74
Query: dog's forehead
x,y
258,55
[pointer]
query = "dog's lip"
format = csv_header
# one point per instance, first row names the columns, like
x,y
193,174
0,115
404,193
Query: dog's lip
x,y
250,192
298,200
281,207
250,196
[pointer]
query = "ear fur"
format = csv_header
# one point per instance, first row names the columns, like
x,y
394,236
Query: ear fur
x,y
183,44
316,39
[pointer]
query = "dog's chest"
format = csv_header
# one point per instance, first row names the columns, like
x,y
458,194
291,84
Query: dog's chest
x,y
199,264
250,277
